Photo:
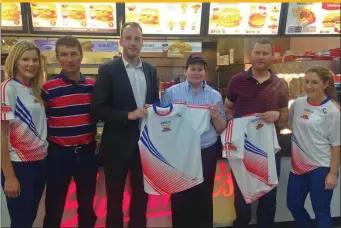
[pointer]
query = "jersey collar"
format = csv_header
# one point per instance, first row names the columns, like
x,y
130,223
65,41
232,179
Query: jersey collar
x,y
319,104
27,86
170,106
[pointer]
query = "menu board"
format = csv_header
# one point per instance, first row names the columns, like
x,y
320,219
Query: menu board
x,y
313,18
166,18
244,18
11,18
74,17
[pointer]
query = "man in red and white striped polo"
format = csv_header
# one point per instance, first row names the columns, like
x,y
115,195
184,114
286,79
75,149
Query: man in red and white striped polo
x,y
71,136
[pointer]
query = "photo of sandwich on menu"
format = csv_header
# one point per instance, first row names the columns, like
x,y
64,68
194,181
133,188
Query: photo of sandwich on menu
x,y
102,13
74,14
332,20
150,17
227,17
10,14
44,14
257,20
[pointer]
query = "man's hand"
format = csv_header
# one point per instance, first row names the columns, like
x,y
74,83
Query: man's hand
x,y
214,110
137,114
269,117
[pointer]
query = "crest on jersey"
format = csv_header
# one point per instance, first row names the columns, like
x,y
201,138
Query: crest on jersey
x,y
305,115
259,125
230,146
5,108
165,125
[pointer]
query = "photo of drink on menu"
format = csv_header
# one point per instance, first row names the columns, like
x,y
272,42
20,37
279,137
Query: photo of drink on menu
x,y
313,18
158,18
244,18
77,17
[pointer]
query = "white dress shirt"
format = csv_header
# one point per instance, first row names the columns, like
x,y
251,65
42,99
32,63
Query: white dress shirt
x,y
137,81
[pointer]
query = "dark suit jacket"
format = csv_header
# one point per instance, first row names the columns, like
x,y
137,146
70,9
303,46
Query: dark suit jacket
x,y
112,100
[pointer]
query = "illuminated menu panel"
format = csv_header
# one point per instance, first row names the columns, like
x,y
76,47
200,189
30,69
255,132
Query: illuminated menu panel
x,y
74,17
166,18
244,18
11,18
313,18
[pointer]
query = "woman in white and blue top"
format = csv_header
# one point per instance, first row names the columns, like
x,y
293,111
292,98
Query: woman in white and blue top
x,y
194,207
315,149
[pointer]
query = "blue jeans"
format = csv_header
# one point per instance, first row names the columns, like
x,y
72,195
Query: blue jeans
x,y
298,188
266,210
32,179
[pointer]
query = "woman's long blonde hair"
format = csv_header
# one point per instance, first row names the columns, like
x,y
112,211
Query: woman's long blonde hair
x,y
12,61
326,76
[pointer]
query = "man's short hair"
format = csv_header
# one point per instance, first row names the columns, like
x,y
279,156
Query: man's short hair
x,y
69,41
131,24
263,41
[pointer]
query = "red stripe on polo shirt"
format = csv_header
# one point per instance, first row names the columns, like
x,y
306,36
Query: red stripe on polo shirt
x,y
54,83
70,121
75,140
74,99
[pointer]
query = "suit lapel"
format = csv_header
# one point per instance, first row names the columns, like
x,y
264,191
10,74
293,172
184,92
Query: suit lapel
x,y
147,75
126,83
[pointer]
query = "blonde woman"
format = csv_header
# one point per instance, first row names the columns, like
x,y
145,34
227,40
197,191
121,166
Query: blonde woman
x,y
23,134
315,153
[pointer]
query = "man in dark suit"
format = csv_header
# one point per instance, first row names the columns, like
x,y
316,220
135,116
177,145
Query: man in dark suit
x,y
122,89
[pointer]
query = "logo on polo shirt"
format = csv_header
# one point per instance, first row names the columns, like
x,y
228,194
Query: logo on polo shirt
x,y
165,125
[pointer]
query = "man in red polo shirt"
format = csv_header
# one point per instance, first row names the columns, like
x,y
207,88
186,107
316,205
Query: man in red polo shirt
x,y
260,91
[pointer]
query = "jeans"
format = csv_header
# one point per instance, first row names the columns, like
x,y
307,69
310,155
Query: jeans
x,y
298,188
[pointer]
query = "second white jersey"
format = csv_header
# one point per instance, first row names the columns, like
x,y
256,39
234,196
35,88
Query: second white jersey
x,y
170,147
250,146
315,128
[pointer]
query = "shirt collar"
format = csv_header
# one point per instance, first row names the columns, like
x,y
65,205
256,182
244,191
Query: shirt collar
x,y
125,62
249,74
67,79
188,86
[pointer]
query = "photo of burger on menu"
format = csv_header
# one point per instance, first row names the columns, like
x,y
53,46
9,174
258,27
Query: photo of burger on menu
x,y
77,17
158,18
244,18
102,13
74,14
10,15
44,14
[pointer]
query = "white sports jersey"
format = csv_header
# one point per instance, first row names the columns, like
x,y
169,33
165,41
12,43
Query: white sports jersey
x,y
250,146
170,147
315,129
27,122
